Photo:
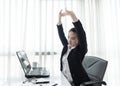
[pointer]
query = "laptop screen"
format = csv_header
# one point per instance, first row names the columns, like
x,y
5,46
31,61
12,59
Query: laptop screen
x,y
24,61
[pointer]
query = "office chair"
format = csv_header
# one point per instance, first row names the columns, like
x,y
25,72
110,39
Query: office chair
x,y
95,68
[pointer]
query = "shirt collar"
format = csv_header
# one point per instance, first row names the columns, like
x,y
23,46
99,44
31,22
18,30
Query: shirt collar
x,y
71,47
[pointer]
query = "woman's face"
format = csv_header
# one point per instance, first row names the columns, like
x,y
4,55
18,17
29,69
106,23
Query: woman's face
x,y
72,39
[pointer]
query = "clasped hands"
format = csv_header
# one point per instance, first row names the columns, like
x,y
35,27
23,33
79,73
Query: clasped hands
x,y
65,13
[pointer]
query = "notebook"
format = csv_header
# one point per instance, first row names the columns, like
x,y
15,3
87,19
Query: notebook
x,y
30,72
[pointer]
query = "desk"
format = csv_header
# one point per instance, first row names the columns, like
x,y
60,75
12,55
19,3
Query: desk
x,y
16,75
54,79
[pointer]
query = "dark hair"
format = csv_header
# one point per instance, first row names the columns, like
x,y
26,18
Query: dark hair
x,y
73,30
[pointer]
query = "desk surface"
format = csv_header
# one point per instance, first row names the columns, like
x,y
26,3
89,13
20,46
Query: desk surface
x,y
15,75
59,79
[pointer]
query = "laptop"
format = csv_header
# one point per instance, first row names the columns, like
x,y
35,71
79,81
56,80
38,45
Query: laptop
x,y
30,72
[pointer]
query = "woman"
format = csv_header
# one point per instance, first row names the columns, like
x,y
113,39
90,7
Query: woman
x,y
74,50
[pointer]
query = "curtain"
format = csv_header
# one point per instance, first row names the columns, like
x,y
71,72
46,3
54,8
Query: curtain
x,y
30,25
102,19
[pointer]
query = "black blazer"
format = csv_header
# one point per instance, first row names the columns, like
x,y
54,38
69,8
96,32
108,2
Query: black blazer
x,y
76,55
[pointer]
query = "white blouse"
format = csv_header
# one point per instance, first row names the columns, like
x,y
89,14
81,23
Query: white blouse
x,y
66,70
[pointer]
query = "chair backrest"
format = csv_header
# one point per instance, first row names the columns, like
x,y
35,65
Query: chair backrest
x,y
95,67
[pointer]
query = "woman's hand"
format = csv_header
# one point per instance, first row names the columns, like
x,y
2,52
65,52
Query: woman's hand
x,y
71,13
65,13
61,14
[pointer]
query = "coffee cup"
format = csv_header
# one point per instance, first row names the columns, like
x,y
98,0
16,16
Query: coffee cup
x,y
34,64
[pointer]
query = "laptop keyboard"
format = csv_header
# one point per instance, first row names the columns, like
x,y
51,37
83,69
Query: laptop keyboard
x,y
38,71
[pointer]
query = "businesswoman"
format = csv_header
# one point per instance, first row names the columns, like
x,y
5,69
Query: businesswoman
x,y
74,50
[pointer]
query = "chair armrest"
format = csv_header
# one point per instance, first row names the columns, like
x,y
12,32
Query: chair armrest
x,y
93,82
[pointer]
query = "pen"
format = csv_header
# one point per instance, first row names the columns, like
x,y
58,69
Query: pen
x,y
42,82
55,84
